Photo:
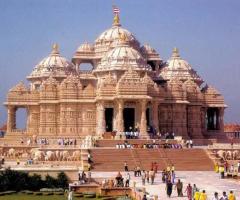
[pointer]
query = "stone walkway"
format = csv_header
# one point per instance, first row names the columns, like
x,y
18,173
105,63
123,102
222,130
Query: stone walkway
x,y
209,181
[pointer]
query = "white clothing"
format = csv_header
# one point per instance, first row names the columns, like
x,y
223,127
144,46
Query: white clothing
x,y
70,195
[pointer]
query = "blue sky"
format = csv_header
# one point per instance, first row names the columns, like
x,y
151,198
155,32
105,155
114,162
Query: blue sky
x,y
206,32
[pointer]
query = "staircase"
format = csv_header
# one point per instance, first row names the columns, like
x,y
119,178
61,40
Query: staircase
x,y
182,159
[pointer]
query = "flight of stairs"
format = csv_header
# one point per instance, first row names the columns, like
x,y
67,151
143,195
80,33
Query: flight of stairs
x,y
183,159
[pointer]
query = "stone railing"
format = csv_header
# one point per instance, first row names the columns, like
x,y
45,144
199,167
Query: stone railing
x,y
23,97
233,135
23,131
224,146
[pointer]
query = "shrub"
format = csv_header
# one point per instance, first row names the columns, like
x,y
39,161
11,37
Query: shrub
x,y
22,181
50,182
36,182
62,180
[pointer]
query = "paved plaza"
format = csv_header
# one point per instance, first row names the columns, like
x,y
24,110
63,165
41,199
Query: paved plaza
x,y
209,181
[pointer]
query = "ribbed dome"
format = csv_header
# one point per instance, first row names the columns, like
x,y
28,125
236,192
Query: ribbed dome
x,y
149,53
85,47
113,33
106,40
146,49
178,68
54,65
122,57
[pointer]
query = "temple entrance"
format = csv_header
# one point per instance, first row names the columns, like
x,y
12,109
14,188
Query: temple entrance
x,y
129,119
212,119
109,119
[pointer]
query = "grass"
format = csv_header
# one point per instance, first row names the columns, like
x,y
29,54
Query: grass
x,y
33,197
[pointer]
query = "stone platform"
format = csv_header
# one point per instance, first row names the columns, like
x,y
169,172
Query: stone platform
x,y
207,180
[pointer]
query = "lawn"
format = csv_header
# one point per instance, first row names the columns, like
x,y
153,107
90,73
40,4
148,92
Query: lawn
x,y
34,197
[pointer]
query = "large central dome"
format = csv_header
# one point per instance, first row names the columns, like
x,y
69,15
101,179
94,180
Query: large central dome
x,y
106,39
113,33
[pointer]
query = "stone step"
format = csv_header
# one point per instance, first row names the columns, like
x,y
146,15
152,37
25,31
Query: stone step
x,y
183,159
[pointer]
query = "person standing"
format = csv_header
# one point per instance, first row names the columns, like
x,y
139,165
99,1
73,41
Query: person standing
x,y
144,197
196,195
138,171
143,177
89,176
189,191
169,186
147,176
221,171
18,161
231,196
127,180
163,176
238,165
70,195
152,176
3,160
224,196
125,167
179,187
215,196
203,195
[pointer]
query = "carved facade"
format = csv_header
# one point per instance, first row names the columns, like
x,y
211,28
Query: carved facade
x,y
129,87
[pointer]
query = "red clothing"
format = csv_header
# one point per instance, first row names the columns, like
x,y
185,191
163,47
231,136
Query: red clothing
x,y
189,192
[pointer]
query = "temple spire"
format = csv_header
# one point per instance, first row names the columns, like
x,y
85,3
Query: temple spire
x,y
55,49
175,53
116,19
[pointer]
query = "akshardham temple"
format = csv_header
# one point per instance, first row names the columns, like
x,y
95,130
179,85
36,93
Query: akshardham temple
x,y
128,88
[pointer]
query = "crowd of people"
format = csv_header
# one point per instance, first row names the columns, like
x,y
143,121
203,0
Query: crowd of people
x,y
152,145
47,141
169,178
226,169
67,141
84,177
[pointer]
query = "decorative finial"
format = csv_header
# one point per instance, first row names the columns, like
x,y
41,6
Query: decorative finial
x,y
55,48
116,19
175,53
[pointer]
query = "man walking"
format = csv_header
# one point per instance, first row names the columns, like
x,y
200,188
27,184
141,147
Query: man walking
x,y
127,180
169,186
143,177
179,186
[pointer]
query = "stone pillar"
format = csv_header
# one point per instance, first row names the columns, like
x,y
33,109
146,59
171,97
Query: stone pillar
x,y
120,123
221,119
115,119
100,119
11,120
28,123
155,115
143,123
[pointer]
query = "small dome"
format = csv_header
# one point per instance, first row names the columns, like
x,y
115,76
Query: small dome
x,y
149,53
121,58
147,49
178,68
85,47
54,64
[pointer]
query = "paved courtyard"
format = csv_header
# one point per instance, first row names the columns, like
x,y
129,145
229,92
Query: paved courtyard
x,y
209,181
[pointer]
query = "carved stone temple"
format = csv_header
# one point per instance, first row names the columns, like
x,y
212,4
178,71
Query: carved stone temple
x,y
129,87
